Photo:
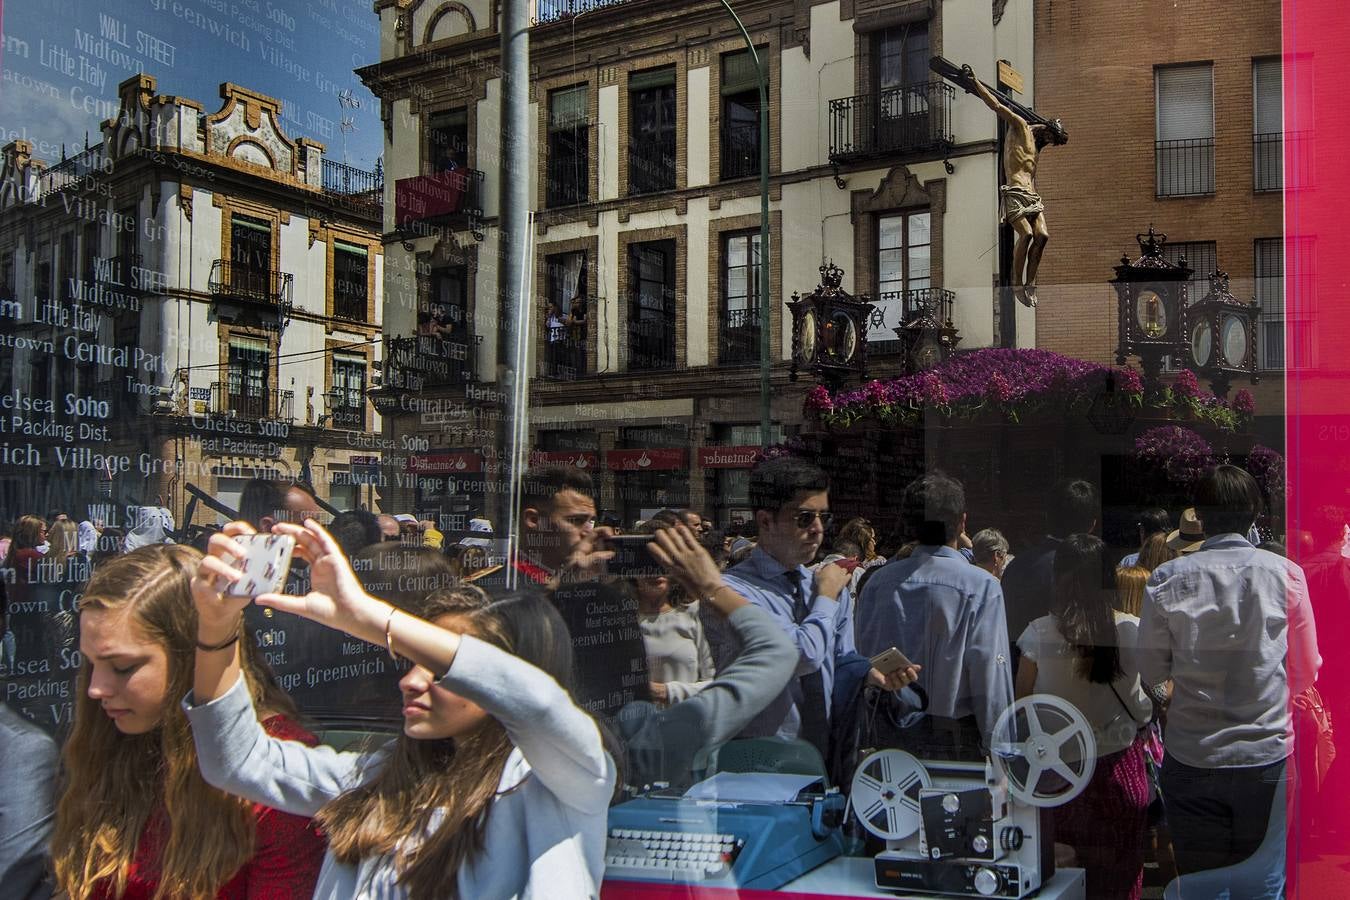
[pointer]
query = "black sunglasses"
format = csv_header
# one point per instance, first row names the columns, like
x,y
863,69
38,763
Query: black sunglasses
x,y
805,517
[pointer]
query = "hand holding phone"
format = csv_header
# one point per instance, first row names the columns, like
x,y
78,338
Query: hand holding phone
x,y
892,660
632,556
265,563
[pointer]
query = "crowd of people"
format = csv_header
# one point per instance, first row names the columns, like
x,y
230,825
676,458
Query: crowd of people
x,y
189,773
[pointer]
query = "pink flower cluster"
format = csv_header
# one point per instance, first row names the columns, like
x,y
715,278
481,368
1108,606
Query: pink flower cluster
x,y
1186,385
1007,380
1244,404
818,400
1181,454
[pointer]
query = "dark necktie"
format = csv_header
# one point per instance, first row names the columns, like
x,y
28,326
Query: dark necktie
x,y
812,710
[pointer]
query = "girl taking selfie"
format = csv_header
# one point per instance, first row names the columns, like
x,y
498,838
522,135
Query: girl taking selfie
x,y
136,820
498,786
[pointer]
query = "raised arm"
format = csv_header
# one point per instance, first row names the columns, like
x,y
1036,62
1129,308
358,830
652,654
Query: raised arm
x,y
1004,112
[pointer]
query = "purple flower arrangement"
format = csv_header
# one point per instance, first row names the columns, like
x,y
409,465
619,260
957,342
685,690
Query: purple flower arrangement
x,y
1179,453
1244,405
1267,467
1012,384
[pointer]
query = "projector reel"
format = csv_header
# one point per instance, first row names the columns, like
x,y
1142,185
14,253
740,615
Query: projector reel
x,y
1044,749
886,793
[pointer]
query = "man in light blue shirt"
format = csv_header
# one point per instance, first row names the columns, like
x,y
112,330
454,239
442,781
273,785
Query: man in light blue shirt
x,y
1232,628
792,510
947,616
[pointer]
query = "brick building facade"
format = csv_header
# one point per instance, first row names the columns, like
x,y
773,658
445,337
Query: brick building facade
x,y
1173,116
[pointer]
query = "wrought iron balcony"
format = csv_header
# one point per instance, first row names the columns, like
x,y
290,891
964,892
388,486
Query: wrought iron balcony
x,y
909,120
740,150
738,337
346,409
252,402
651,345
1280,161
244,282
426,361
546,11
564,354
651,163
441,198
1185,168
933,304
361,190
75,171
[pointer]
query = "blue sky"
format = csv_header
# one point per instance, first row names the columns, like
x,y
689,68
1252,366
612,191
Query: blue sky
x,y
63,60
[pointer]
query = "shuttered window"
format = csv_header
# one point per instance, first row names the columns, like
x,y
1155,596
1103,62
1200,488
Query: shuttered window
x,y
1186,103
1185,130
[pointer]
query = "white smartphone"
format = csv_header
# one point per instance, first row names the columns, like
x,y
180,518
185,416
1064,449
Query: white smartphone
x,y
888,661
265,564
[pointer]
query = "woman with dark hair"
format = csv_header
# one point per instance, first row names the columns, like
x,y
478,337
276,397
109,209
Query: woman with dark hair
x,y
1076,653
30,532
499,784
679,657
137,821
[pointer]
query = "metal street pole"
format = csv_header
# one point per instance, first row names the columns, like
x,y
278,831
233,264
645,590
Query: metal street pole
x,y
512,259
765,416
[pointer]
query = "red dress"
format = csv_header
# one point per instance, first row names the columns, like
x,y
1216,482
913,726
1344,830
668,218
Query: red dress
x,y
286,857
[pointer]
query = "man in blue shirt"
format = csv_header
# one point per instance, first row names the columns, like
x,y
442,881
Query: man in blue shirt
x,y
792,510
947,616
1232,628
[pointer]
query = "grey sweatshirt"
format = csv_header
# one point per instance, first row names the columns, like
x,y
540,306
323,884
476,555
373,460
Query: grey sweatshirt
x,y
545,832
662,744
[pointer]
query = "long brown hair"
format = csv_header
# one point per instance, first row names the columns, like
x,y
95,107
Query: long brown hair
x,y
444,789
1130,582
27,535
1155,552
1082,610
117,784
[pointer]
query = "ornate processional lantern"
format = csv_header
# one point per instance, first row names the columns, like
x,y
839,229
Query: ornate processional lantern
x,y
1222,332
1151,298
829,331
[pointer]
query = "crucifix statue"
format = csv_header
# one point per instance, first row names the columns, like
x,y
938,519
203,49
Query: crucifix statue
x,y
1020,204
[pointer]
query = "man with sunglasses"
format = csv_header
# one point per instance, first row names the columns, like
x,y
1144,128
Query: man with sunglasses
x,y
792,510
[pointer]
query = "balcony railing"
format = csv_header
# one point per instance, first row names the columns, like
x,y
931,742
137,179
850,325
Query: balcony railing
x,y
248,402
1280,157
345,410
426,361
361,189
651,163
1185,168
547,11
74,172
432,199
568,170
651,345
738,337
740,150
564,354
915,118
935,304
266,286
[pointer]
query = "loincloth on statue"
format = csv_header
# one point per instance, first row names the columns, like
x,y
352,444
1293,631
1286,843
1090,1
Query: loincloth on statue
x,y
1019,203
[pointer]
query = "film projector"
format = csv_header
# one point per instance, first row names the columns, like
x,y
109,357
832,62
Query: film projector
x,y
973,829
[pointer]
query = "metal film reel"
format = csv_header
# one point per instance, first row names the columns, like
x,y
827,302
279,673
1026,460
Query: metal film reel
x,y
1044,749
886,793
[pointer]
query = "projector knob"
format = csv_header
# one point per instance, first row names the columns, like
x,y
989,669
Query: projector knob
x,y
987,882
980,843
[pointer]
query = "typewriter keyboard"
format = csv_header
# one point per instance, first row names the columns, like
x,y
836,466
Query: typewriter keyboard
x,y
681,856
